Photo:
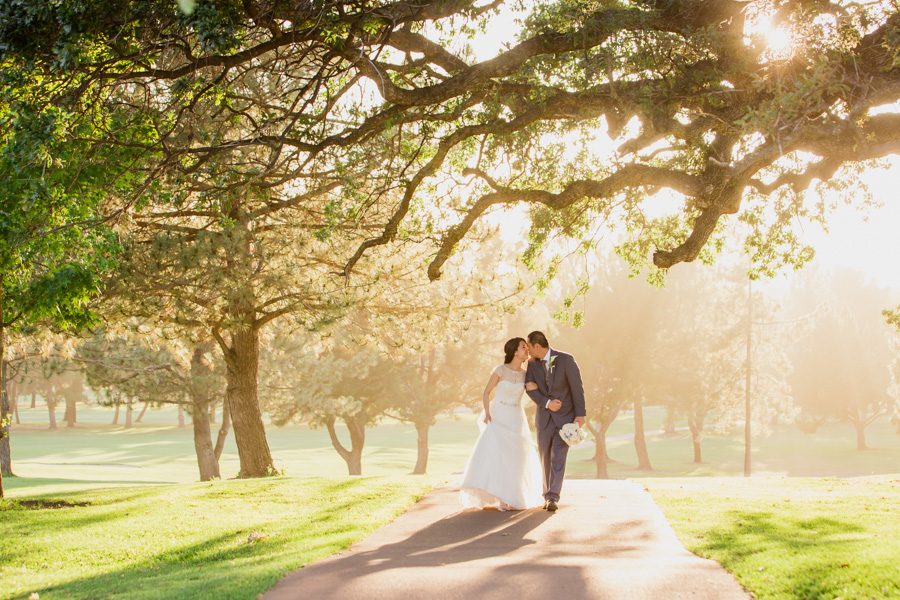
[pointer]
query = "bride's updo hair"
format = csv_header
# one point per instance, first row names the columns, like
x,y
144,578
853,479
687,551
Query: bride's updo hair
x,y
510,348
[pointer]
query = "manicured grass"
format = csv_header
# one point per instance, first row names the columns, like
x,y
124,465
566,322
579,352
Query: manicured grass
x,y
788,538
784,451
188,541
95,453
143,540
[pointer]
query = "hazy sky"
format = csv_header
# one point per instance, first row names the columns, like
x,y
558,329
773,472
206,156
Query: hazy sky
x,y
872,246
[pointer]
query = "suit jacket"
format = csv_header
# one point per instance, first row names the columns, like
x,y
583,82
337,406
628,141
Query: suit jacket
x,y
563,383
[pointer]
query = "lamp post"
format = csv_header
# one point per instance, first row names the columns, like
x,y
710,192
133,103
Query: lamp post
x,y
747,465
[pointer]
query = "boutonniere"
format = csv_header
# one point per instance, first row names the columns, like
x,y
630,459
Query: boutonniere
x,y
551,362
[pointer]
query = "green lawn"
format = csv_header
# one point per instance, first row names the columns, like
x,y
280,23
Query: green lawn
x,y
784,533
188,541
787,538
95,453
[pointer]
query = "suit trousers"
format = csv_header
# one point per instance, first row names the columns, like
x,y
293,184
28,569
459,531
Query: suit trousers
x,y
553,451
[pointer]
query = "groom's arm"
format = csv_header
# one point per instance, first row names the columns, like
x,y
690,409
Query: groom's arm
x,y
573,374
536,395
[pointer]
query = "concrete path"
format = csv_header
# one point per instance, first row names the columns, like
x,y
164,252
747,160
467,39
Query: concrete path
x,y
608,540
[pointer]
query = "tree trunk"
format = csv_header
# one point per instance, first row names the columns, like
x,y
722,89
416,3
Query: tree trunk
x,y
206,454
5,454
421,448
669,427
599,449
241,375
33,399
70,413
51,407
695,437
4,430
180,417
640,444
143,410
860,426
602,464
223,431
695,422
207,461
129,412
116,416
353,456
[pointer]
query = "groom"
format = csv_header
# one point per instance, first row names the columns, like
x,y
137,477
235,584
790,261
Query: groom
x,y
560,399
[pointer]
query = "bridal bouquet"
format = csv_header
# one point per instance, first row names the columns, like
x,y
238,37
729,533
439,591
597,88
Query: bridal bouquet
x,y
572,434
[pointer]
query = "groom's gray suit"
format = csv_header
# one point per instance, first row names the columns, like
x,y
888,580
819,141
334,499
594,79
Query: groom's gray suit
x,y
561,382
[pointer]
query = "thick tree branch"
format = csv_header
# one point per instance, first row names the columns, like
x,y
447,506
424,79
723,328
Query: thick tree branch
x,y
628,176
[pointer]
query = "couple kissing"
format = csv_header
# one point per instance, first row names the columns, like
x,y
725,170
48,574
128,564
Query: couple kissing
x,y
504,470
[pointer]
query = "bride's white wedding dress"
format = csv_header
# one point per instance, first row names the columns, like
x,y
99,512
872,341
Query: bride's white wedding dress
x,y
504,465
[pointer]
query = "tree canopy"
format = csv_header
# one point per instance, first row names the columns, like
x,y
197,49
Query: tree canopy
x,y
259,159
385,113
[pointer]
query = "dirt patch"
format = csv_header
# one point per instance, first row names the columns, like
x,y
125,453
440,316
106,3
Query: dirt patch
x,y
45,504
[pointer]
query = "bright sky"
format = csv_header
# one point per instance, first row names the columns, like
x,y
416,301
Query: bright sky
x,y
872,245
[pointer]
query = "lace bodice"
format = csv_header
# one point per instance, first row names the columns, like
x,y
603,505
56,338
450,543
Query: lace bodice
x,y
510,375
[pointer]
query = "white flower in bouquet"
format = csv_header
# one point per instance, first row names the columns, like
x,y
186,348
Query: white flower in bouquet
x,y
572,434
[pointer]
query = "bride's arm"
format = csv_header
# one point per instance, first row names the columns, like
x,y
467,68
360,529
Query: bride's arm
x,y
486,397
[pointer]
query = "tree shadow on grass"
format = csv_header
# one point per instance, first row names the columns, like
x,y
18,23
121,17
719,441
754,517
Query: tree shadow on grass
x,y
223,564
805,550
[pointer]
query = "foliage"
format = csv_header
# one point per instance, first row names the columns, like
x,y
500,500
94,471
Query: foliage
x,y
433,382
141,367
843,366
54,242
302,384
644,342
43,365
385,116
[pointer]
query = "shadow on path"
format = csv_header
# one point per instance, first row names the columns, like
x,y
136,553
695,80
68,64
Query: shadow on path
x,y
608,540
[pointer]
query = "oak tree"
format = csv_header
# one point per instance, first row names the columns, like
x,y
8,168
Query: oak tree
x,y
377,122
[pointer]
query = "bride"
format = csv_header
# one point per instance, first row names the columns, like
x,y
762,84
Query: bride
x,y
503,470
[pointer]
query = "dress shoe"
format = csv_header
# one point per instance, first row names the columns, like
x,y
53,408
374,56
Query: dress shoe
x,y
552,506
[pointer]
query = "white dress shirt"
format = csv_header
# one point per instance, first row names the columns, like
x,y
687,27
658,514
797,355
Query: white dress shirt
x,y
546,366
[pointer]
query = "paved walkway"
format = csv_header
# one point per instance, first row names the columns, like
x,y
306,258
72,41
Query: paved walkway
x,y
608,540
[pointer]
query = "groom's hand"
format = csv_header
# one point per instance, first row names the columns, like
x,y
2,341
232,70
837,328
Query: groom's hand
x,y
554,405
580,421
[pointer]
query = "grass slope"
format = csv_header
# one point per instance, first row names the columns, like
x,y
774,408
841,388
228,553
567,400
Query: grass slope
x,y
792,538
188,541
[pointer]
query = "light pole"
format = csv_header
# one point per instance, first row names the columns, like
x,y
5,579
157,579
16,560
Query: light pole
x,y
747,466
